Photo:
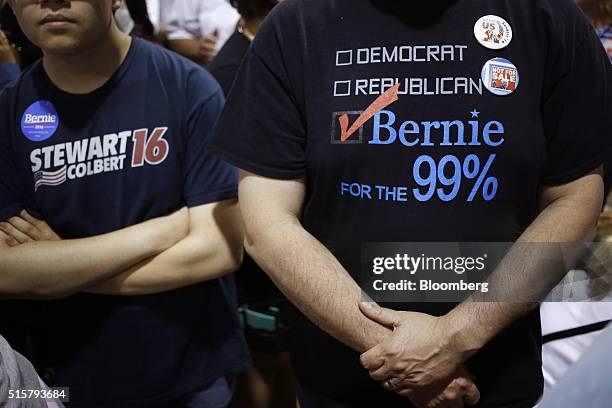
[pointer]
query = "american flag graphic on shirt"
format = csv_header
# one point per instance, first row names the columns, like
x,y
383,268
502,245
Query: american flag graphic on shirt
x,y
49,178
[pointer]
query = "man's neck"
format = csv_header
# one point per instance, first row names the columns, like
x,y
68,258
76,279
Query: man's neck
x,y
252,26
88,70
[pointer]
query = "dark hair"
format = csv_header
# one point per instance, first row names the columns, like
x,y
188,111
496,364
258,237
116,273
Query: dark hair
x,y
140,14
250,9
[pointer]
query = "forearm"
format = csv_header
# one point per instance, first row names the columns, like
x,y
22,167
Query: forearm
x,y
51,269
212,248
528,272
185,264
311,277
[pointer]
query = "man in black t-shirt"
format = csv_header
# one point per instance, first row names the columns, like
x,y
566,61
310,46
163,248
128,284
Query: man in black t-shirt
x,y
363,93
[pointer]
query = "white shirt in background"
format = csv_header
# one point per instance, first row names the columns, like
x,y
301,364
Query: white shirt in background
x,y
559,355
195,19
154,12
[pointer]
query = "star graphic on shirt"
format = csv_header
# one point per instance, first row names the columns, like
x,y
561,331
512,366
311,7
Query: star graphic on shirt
x,y
475,113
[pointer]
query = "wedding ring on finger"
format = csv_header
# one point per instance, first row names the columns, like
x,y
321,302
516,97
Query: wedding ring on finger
x,y
392,382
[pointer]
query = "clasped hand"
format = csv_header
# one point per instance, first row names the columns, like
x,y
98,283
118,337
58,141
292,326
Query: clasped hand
x,y
420,360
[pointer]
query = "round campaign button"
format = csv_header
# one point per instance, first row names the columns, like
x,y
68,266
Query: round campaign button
x,y
500,76
39,121
493,32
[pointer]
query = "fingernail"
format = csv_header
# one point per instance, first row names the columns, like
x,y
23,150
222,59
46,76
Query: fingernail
x,y
367,305
3,226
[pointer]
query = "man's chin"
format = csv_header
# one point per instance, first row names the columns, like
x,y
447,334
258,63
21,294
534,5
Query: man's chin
x,y
60,45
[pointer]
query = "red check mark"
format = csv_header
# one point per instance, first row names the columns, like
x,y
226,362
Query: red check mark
x,y
384,100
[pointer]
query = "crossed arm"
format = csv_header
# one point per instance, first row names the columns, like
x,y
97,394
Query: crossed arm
x,y
159,255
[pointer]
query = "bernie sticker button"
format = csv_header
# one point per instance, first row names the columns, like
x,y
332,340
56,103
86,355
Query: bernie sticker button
x,y
39,121
500,76
493,32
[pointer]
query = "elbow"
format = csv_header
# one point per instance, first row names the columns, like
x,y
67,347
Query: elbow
x,y
226,263
231,258
260,243
233,263
224,260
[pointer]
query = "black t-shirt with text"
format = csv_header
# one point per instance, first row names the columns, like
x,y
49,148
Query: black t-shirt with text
x,y
380,94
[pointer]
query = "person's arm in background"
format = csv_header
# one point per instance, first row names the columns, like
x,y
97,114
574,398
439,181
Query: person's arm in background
x,y
183,32
200,51
9,69
52,268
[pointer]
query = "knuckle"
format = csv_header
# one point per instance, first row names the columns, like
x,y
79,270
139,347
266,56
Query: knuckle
x,y
393,350
397,371
451,394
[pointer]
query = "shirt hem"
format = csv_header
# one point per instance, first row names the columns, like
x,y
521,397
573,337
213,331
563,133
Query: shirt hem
x,y
207,198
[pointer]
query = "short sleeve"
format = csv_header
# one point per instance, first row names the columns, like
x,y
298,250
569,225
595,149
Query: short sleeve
x,y
208,178
262,129
181,20
577,106
11,195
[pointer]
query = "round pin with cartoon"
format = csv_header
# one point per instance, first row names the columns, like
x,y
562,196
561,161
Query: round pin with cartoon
x,y
500,76
493,32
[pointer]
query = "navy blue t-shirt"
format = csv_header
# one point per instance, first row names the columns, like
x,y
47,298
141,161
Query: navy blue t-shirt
x,y
89,164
